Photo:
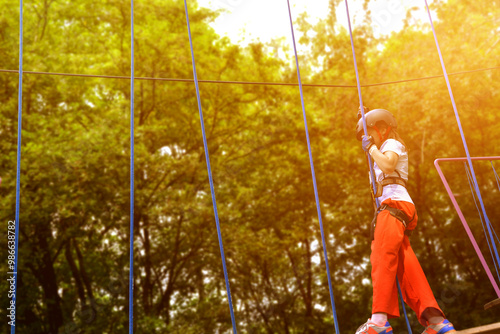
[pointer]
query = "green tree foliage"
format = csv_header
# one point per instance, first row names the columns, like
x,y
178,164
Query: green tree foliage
x,y
74,218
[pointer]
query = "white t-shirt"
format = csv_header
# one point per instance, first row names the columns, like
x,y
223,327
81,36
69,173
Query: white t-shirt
x,y
395,192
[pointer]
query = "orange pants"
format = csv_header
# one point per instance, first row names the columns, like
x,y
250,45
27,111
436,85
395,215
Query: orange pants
x,y
391,255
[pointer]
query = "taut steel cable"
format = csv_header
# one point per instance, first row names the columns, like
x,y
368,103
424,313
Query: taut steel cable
x,y
248,82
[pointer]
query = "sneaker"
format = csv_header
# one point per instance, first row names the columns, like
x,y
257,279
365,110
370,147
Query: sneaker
x,y
443,327
372,328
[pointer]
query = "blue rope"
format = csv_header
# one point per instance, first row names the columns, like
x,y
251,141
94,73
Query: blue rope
x,y
372,174
313,174
403,303
497,178
462,134
131,273
469,177
18,172
209,169
470,181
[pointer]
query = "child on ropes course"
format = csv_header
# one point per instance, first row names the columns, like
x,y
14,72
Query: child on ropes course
x,y
394,222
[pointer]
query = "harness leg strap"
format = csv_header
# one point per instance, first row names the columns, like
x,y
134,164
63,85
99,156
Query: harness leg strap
x,y
398,214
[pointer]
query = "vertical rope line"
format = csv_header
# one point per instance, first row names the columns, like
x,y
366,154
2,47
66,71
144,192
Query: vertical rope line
x,y
403,304
313,173
476,186
18,171
492,228
209,170
131,273
470,181
464,222
372,174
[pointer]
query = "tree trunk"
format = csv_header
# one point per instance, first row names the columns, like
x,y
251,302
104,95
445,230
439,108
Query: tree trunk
x,y
74,271
47,279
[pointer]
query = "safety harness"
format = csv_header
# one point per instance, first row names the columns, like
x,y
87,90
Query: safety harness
x,y
386,181
398,214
